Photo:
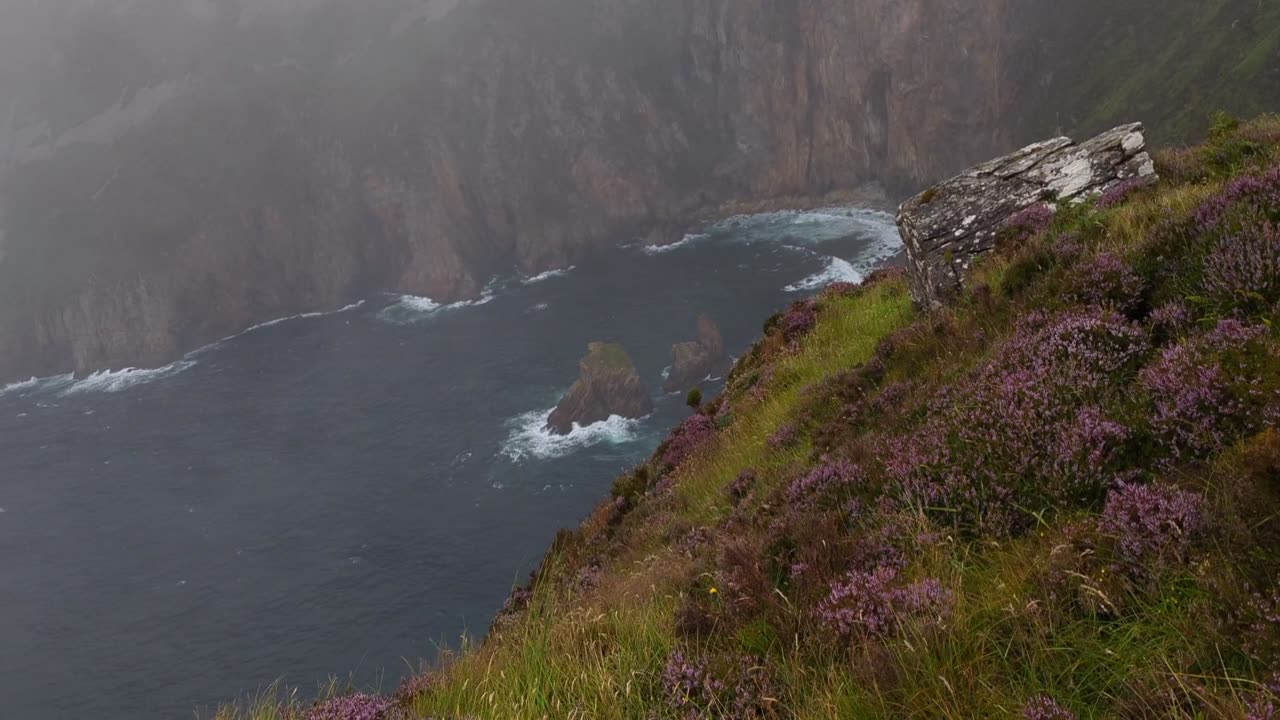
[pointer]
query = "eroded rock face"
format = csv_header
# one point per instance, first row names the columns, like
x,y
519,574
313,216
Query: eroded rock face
x,y
608,385
951,224
532,131
693,362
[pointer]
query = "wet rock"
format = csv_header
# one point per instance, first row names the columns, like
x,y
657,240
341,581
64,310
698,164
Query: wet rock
x,y
951,224
608,385
693,362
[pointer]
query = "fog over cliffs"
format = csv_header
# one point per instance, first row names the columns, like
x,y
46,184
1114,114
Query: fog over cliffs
x,y
177,171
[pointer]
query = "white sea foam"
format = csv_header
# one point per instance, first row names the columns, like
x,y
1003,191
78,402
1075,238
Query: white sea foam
x,y
278,321
409,309
111,381
813,226
837,270
885,242
36,385
302,316
530,438
21,387
686,241
540,277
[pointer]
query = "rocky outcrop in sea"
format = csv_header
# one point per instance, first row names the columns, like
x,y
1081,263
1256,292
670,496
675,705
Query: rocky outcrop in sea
x,y
608,384
694,361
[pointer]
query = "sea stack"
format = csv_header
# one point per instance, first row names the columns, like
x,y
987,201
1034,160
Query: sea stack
x,y
608,385
693,362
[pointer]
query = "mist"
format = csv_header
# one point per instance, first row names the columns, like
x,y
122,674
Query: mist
x,y
322,320
85,71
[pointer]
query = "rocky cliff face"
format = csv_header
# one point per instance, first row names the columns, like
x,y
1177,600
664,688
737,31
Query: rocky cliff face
x,y
511,135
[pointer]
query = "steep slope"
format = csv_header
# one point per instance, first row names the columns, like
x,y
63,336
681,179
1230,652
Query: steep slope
x,y
1056,498
518,136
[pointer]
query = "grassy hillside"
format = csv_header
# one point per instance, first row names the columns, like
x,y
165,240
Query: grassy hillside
x,y
1156,61
1058,499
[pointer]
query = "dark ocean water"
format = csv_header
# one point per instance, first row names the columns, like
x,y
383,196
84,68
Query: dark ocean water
x,y
344,492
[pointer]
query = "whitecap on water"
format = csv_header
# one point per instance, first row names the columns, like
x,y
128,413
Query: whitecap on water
x,y
530,438
885,243
683,242
408,309
300,316
837,270
111,381
540,277
20,386
26,387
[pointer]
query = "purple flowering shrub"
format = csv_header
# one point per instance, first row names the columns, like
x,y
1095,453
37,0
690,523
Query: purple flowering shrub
x,y
1210,389
687,439
1242,270
1260,628
517,602
414,687
754,691
1153,527
875,603
742,486
738,689
1237,229
1026,429
1262,709
1119,194
1108,281
1170,321
1043,707
786,437
689,687
799,320
1181,165
693,540
831,483
359,706
1026,224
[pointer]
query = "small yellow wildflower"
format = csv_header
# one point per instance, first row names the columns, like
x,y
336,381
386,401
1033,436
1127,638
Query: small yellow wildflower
x,y
713,591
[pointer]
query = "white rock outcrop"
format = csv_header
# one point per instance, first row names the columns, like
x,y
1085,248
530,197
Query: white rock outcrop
x,y
947,226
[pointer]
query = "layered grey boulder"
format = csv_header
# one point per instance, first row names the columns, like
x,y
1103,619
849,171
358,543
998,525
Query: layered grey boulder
x,y
946,227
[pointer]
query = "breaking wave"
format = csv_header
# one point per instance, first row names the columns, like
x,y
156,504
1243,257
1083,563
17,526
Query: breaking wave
x,y
683,242
837,270
55,382
885,242
540,277
530,438
300,316
409,309
111,381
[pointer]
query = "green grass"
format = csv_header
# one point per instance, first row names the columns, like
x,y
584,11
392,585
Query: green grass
x,y
846,337
609,356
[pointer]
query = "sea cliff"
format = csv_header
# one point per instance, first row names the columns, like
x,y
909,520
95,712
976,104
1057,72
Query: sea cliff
x,y
1050,496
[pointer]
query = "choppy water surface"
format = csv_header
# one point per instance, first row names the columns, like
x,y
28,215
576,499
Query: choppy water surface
x,y
338,492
